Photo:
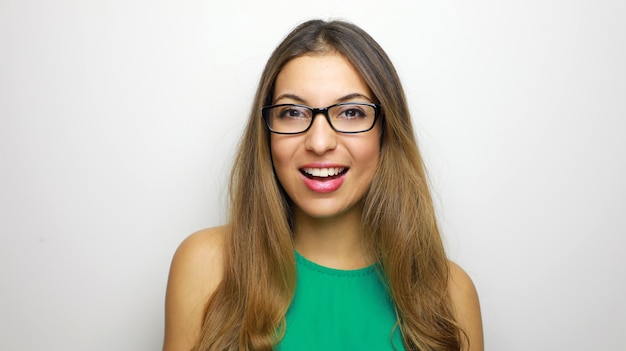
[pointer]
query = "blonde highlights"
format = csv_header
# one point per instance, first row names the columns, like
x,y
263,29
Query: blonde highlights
x,y
247,310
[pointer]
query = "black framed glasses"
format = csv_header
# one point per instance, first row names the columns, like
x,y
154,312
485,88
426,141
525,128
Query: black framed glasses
x,y
345,117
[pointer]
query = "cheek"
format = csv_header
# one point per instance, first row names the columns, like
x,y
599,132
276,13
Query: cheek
x,y
281,155
370,163
367,153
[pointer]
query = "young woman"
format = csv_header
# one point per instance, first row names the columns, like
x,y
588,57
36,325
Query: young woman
x,y
332,241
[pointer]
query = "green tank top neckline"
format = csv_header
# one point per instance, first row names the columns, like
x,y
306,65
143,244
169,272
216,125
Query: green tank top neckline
x,y
335,309
335,271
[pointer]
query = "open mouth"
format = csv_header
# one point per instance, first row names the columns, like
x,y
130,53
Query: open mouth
x,y
324,173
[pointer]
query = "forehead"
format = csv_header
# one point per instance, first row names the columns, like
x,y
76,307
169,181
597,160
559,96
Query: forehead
x,y
319,78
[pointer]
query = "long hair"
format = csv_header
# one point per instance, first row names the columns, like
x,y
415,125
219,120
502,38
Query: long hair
x,y
247,310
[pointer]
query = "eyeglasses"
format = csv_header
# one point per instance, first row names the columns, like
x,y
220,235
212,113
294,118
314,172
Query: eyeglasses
x,y
346,117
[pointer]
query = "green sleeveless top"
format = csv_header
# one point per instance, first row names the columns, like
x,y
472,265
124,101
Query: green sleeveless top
x,y
340,310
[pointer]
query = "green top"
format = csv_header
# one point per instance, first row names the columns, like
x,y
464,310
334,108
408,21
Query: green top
x,y
340,310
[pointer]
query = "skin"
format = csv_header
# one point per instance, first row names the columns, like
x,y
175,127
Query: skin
x,y
195,272
327,225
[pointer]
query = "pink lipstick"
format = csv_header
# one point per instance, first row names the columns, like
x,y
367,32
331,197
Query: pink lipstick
x,y
323,178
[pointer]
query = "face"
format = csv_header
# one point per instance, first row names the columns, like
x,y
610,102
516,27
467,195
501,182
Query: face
x,y
325,173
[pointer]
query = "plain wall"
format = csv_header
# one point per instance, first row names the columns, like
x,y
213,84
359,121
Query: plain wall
x,y
119,119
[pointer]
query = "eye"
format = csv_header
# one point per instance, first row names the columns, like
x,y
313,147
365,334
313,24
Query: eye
x,y
292,112
352,112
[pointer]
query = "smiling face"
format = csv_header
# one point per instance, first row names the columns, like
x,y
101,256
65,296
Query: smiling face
x,y
325,173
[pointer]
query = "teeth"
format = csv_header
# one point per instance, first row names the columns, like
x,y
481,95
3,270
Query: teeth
x,y
323,172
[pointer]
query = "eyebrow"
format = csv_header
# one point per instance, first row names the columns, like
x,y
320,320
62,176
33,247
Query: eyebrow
x,y
345,98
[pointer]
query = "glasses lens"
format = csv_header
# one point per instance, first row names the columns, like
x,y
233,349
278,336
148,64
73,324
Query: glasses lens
x,y
352,117
288,118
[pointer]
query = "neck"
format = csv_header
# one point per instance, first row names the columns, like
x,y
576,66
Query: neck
x,y
335,242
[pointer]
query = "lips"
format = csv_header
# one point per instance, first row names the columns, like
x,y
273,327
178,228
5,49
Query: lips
x,y
323,179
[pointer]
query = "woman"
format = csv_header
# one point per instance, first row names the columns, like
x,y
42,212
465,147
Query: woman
x,y
332,241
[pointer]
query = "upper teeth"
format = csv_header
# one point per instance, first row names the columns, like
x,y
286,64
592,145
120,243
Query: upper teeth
x,y
323,172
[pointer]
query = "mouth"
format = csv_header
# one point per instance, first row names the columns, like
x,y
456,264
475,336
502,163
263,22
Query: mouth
x,y
324,173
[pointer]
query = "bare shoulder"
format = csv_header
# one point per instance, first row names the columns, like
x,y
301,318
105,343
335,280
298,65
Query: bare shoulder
x,y
204,246
195,272
198,261
465,300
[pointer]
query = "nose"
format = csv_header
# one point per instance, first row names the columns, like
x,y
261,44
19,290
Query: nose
x,y
321,137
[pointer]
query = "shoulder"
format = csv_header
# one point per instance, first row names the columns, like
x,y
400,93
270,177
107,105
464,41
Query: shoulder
x,y
204,246
195,272
198,261
466,305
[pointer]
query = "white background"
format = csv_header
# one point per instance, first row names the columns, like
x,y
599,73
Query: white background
x,y
118,121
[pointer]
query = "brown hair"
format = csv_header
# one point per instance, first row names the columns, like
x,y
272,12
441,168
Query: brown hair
x,y
247,310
